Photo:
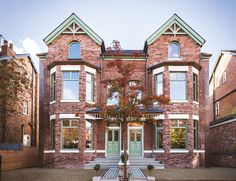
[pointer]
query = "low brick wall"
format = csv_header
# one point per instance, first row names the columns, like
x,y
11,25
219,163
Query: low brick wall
x,y
19,159
223,145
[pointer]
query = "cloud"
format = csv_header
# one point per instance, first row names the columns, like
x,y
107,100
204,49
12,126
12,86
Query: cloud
x,y
30,46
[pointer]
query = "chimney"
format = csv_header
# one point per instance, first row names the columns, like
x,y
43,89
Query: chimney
x,y
7,50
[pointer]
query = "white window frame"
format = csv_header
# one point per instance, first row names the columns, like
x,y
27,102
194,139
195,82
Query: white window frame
x,y
224,77
92,89
217,108
25,107
70,100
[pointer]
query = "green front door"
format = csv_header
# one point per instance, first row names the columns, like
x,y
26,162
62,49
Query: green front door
x,y
113,142
135,142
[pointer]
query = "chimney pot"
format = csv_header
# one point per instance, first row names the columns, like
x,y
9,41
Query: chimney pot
x,y
11,46
5,42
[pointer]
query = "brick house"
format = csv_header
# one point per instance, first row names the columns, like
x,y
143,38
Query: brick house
x,y
223,110
171,63
19,129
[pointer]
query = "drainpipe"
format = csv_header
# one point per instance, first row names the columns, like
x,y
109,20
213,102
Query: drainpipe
x,y
32,110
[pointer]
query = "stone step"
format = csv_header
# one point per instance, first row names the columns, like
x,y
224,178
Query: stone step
x,y
135,162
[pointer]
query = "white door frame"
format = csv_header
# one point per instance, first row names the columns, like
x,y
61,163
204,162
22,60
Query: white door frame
x,y
106,137
136,127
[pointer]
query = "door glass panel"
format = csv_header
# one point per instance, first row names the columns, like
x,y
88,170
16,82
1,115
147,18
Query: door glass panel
x,y
116,136
132,136
110,135
138,136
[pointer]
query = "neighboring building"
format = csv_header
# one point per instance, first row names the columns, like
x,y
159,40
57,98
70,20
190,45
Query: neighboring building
x,y
171,63
19,125
223,110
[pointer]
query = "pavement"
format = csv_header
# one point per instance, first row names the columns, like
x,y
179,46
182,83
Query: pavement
x,y
47,174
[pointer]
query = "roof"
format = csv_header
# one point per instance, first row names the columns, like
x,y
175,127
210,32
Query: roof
x,y
149,110
175,19
232,52
17,56
64,25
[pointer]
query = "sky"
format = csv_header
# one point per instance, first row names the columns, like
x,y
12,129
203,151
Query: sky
x,y
26,22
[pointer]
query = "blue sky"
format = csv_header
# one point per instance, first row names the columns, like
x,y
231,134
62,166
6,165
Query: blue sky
x,y
27,22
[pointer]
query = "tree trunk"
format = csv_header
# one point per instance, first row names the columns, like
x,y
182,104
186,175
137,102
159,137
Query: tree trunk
x,y
124,130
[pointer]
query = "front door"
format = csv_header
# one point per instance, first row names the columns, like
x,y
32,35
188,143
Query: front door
x,y
113,142
135,143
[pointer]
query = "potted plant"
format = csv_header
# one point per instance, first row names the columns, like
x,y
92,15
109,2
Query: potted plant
x,y
150,168
97,168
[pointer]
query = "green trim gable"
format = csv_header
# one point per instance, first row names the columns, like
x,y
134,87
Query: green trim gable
x,y
67,23
175,20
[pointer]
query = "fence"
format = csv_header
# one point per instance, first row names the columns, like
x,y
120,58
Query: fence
x,y
26,157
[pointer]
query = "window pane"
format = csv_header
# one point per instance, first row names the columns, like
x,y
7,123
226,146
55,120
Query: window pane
x,y
66,122
66,75
74,123
70,89
53,134
159,84
74,75
88,135
182,123
74,50
109,135
174,50
89,77
178,138
138,135
70,138
174,123
116,136
159,123
132,135
53,81
89,91
178,90
159,138
114,99
181,76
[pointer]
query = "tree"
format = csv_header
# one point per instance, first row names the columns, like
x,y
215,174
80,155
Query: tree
x,y
127,92
14,83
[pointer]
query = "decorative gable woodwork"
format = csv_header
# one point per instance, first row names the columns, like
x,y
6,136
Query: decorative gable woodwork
x,y
73,29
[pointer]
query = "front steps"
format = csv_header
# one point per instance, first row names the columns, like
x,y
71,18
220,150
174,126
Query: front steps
x,y
140,162
134,162
108,162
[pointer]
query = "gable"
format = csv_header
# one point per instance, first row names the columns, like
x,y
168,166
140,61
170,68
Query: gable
x,y
73,25
175,26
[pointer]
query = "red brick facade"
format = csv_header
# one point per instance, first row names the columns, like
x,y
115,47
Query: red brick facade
x,y
153,59
20,127
223,120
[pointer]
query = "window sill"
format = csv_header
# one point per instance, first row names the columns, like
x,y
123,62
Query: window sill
x,y
198,151
158,151
73,100
179,151
69,151
25,114
49,151
89,151
74,58
195,102
90,102
179,101
52,102
174,59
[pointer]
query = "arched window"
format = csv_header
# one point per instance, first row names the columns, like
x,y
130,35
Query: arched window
x,y
174,50
74,51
